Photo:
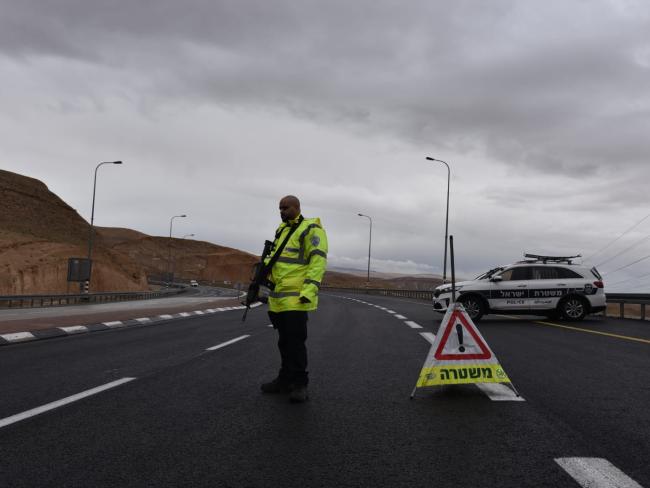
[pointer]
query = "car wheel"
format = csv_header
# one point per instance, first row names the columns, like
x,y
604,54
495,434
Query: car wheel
x,y
573,309
473,306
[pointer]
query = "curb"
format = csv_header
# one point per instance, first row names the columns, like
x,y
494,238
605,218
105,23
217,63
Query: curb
x,y
35,335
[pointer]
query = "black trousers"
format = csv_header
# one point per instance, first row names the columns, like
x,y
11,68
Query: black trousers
x,y
292,334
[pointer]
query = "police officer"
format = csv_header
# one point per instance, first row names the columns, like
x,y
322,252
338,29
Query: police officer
x,y
295,280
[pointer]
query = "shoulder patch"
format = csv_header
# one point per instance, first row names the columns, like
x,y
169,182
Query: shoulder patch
x,y
315,240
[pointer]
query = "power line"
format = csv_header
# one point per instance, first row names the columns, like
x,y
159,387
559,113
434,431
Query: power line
x,y
612,242
628,265
629,279
624,250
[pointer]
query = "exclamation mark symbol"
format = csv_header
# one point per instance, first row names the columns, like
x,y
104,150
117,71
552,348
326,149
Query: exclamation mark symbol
x,y
459,331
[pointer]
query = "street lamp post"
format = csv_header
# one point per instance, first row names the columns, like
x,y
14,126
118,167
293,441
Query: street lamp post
x,y
92,218
444,272
369,242
169,259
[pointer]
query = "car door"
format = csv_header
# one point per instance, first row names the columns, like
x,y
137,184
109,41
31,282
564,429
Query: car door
x,y
510,292
547,286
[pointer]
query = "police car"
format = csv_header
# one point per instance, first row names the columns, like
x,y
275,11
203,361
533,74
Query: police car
x,y
539,285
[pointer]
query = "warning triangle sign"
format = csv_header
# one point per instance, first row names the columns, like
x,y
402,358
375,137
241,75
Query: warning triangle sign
x,y
460,339
460,354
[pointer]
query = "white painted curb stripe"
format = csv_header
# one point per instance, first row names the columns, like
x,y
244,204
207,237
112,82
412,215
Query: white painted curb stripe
x,y
596,473
165,317
429,336
224,344
211,310
391,311
115,323
498,392
50,406
413,325
198,312
398,316
143,319
74,329
18,336
184,314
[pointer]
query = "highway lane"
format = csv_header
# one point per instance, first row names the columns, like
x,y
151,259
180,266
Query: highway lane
x,y
197,418
38,318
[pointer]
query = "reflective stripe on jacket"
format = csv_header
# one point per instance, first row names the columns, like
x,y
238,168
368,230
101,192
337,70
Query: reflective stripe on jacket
x,y
299,270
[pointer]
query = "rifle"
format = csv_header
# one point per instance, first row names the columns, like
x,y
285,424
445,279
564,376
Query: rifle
x,y
259,278
261,270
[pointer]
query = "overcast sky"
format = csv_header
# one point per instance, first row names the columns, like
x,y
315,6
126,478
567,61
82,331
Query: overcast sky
x,y
219,108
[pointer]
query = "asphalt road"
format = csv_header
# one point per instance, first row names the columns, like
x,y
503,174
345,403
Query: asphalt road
x,y
196,417
23,319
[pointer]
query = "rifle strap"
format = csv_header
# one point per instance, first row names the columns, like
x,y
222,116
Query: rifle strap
x,y
276,256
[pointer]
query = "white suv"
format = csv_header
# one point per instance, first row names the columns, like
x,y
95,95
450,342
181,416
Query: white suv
x,y
540,285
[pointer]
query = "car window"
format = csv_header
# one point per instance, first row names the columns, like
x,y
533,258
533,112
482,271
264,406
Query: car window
x,y
545,273
568,273
516,274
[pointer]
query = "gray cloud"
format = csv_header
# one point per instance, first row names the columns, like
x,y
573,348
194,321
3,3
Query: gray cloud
x,y
541,109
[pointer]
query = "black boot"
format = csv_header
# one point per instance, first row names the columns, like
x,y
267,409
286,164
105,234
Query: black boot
x,y
299,394
275,386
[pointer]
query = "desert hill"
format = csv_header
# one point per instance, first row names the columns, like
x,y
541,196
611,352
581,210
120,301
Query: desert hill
x,y
357,280
39,232
186,258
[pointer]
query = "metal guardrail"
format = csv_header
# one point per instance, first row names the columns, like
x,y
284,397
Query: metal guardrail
x,y
24,301
623,299
418,294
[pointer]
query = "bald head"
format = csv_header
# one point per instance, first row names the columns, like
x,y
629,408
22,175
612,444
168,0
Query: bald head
x,y
289,208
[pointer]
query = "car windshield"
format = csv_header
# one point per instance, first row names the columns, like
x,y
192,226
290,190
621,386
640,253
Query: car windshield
x,y
487,274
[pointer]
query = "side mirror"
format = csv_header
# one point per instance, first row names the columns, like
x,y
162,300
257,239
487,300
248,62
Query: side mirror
x,y
496,278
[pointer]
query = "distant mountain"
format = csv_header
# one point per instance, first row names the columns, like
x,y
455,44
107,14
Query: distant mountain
x,y
379,274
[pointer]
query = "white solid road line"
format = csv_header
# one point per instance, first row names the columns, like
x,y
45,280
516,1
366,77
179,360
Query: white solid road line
x,y
224,344
596,473
50,406
412,325
398,316
429,336
498,392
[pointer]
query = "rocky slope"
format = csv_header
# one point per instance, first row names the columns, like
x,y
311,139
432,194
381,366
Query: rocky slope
x,y
39,232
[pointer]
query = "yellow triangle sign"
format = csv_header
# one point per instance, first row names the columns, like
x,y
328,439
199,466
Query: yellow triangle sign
x,y
460,355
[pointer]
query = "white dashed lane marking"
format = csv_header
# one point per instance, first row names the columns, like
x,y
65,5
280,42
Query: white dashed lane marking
x,y
64,401
227,343
498,392
398,316
413,325
429,336
596,473
74,329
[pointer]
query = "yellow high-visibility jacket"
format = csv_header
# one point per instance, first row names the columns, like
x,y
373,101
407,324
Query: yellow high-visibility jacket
x,y
299,270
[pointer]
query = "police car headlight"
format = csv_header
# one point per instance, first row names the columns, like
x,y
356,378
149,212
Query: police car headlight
x,y
447,289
